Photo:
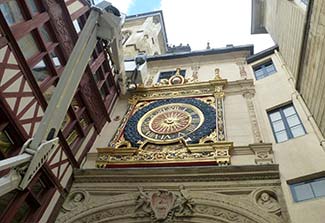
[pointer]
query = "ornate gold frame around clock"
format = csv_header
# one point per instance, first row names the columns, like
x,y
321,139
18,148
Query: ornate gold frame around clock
x,y
211,149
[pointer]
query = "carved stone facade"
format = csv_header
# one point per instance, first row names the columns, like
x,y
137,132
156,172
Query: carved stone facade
x,y
144,34
206,194
252,115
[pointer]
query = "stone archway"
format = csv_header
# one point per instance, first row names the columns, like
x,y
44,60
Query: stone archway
x,y
183,206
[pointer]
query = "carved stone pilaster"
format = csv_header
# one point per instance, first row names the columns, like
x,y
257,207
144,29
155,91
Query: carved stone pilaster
x,y
150,80
242,71
263,153
252,116
195,68
219,96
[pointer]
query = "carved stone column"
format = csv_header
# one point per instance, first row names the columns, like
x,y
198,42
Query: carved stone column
x,y
242,71
248,95
219,96
195,68
150,79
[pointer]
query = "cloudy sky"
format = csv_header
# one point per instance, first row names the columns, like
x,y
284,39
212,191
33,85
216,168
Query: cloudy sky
x,y
219,22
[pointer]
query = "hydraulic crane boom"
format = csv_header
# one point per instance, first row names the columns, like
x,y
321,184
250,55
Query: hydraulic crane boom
x,y
104,22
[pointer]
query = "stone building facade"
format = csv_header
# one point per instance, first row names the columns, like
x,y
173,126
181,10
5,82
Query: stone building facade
x,y
298,28
262,129
218,135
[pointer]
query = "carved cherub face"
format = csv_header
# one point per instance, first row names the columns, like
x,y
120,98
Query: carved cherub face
x,y
265,196
78,197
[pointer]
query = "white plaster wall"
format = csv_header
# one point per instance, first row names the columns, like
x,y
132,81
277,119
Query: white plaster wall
x,y
110,128
238,125
285,21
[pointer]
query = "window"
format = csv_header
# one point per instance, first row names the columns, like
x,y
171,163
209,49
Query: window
x,y
305,2
169,74
46,33
76,26
285,123
308,189
264,70
28,46
41,72
34,8
11,11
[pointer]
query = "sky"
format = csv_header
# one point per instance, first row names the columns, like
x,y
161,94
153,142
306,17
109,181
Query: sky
x,y
219,22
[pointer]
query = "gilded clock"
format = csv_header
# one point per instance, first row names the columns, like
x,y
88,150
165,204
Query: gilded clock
x,y
166,121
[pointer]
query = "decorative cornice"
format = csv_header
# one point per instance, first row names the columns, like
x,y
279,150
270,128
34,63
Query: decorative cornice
x,y
183,174
194,89
177,91
183,154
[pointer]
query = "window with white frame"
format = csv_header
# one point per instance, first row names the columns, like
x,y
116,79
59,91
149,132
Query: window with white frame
x,y
264,69
285,123
309,189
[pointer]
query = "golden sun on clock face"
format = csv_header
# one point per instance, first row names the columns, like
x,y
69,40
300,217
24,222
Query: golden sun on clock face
x,y
170,122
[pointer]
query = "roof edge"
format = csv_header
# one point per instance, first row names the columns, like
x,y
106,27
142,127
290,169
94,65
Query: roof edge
x,y
262,54
249,48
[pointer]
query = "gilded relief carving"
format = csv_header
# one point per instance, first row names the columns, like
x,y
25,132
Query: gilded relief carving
x,y
219,97
155,154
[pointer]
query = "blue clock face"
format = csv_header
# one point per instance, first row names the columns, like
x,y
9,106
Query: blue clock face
x,y
169,120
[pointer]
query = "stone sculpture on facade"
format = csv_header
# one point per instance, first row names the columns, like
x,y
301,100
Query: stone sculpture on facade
x,y
163,205
75,200
268,202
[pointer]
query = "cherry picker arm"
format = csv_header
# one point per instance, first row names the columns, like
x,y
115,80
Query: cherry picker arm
x,y
104,22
